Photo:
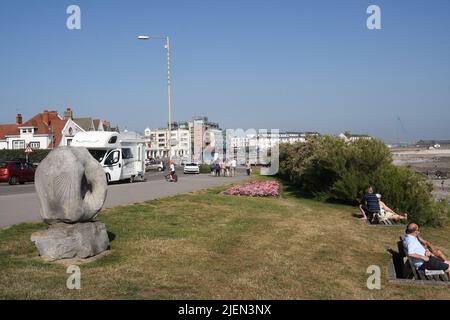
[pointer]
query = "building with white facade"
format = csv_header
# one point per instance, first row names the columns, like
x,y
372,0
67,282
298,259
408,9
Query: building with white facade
x,y
350,137
190,140
203,141
256,146
158,143
40,132
46,130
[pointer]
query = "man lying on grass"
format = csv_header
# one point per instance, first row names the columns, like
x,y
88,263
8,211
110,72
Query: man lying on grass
x,y
422,258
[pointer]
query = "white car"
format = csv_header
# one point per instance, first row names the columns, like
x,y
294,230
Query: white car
x,y
191,168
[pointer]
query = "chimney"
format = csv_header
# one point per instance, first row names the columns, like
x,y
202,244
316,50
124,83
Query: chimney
x,y
19,119
106,125
68,114
46,117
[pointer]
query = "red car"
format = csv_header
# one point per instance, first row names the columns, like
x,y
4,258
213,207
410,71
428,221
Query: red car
x,y
15,172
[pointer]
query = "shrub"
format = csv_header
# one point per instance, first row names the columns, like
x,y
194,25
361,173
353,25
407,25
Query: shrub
x,y
205,168
406,191
35,157
328,169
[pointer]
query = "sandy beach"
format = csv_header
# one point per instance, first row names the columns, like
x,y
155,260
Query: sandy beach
x,y
435,164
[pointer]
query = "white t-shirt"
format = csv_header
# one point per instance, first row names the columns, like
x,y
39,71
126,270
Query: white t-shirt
x,y
233,163
172,167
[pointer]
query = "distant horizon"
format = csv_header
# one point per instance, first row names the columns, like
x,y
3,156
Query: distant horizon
x,y
141,131
293,65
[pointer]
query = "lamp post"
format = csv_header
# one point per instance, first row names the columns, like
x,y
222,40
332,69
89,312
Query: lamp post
x,y
167,46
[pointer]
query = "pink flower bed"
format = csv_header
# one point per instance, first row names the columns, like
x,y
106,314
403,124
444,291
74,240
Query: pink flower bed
x,y
256,189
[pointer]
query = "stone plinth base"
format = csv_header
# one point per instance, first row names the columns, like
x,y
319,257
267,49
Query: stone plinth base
x,y
64,241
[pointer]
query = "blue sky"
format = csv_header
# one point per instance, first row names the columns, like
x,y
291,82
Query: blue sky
x,y
292,65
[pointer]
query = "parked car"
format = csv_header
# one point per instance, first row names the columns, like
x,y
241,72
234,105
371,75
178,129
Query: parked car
x,y
15,172
24,160
191,168
153,164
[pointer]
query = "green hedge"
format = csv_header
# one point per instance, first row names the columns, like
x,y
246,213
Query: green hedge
x,y
205,168
35,157
328,169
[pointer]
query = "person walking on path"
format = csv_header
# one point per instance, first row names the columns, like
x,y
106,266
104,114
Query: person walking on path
x,y
233,167
222,168
217,169
248,167
212,168
227,168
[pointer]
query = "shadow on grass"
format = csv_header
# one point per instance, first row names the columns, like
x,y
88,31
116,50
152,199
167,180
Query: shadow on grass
x,y
111,236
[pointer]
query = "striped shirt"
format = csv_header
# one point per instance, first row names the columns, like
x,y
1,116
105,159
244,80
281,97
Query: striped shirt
x,y
371,200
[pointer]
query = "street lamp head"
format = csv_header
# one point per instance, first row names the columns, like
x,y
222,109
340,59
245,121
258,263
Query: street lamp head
x,y
143,37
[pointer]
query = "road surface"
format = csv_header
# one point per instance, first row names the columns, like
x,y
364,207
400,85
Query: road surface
x,y
20,203
6,189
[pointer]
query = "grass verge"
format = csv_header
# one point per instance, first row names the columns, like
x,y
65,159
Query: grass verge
x,y
205,245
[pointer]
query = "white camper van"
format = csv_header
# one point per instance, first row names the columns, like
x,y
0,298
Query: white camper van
x,y
121,155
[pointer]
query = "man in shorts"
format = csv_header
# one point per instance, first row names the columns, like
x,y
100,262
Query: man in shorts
x,y
422,258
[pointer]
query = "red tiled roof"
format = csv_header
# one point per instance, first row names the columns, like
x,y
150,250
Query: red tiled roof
x,y
58,126
8,130
96,123
42,122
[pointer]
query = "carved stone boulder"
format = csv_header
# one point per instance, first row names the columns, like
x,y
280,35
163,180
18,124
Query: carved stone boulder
x,y
71,186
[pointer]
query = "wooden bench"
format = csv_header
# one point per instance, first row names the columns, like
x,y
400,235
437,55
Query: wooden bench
x,y
437,275
402,270
385,223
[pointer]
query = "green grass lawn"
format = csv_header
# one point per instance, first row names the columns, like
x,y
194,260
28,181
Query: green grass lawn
x,y
206,245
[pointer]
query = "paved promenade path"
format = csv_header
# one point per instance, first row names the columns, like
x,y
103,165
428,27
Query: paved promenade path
x,y
24,207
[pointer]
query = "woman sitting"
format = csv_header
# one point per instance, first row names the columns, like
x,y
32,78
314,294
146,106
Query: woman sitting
x,y
387,213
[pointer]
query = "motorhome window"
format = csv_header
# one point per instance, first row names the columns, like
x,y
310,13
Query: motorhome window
x,y
98,154
113,158
113,139
126,153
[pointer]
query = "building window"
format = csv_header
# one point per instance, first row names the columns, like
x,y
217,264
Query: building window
x,y
35,145
18,144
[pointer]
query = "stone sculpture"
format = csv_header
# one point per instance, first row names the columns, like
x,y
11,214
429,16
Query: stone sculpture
x,y
71,186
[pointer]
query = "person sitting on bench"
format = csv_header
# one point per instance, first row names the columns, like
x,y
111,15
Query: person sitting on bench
x,y
388,213
435,251
369,205
422,258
